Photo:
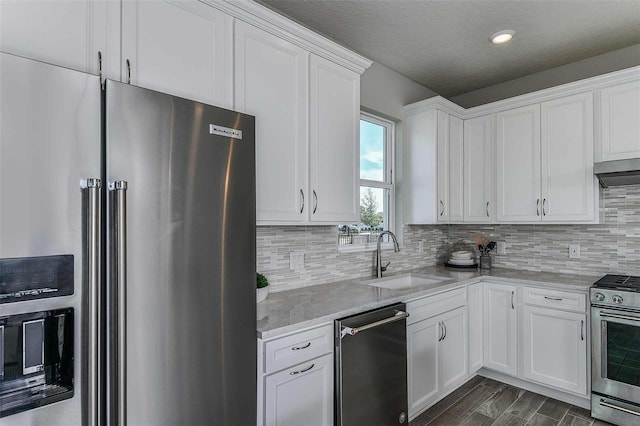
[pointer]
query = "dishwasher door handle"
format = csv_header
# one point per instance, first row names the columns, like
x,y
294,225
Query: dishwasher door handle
x,y
348,331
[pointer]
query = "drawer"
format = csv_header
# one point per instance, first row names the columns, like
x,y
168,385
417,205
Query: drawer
x,y
559,299
434,305
297,348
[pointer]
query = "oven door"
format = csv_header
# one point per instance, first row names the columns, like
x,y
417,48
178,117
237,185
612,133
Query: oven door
x,y
615,350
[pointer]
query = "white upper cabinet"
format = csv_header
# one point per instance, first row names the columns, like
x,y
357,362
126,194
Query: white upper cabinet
x,y
68,33
518,165
620,122
334,143
545,162
442,136
184,48
456,169
478,169
270,70
450,157
568,184
433,178
420,168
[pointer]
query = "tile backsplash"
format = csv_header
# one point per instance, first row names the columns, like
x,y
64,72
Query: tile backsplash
x,y
323,262
611,246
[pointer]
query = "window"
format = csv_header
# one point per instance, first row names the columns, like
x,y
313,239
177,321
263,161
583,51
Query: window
x,y
376,184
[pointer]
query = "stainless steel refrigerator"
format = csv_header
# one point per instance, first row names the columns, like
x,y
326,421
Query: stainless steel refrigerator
x,y
127,254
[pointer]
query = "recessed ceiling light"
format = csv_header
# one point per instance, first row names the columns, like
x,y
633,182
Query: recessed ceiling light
x,y
501,37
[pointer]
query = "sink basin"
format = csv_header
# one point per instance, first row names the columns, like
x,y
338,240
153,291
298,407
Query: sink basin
x,y
402,282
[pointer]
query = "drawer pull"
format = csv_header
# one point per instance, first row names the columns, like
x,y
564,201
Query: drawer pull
x,y
297,348
293,373
553,298
617,407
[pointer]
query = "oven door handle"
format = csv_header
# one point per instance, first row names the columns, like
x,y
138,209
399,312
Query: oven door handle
x,y
619,408
619,316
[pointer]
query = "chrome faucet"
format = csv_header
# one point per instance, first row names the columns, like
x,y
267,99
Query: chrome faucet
x,y
396,248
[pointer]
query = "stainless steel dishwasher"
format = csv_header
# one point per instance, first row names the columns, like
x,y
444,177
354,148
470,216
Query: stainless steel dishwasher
x,y
371,368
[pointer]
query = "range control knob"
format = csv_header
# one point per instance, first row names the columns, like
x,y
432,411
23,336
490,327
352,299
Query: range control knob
x,y
599,297
617,299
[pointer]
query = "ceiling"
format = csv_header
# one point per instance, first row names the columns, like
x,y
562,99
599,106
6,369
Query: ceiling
x,y
444,45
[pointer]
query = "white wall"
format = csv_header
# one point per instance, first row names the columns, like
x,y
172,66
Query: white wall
x,y
590,67
384,91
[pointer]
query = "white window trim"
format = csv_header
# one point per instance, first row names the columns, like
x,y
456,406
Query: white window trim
x,y
389,172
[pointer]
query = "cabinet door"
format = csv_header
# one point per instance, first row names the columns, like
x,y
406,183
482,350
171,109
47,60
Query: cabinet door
x,y
269,69
475,327
568,184
620,122
183,48
422,363
334,143
453,354
443,167
555,348
500,331
420,168
68,33
456,163
478,169
301,395
518,168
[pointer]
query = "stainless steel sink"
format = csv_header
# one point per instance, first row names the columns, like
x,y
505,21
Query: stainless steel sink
x,y
405,281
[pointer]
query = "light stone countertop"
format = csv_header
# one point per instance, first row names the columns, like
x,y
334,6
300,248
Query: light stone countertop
x,y
292,310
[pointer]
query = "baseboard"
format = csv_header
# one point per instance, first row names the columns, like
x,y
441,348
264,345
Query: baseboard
x,y
580,401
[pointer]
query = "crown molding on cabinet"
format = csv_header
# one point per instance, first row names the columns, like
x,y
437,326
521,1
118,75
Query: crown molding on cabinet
x,y
276,24
567,89
437,102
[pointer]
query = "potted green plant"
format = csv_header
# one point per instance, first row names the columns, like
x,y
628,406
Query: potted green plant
x,y
263,287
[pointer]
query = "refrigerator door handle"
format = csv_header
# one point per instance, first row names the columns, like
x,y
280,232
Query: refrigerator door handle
x,y
119,232
94,224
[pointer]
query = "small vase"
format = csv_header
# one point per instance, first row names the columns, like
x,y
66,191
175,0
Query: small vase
x,y
485,261
262,294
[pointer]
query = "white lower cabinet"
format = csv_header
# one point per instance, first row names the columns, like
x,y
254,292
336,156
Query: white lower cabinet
x,y
437,357
295,378
453,348
500,331
302,394
555,348
474,295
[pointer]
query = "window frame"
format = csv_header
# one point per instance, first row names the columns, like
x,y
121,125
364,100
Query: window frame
x,y
388,183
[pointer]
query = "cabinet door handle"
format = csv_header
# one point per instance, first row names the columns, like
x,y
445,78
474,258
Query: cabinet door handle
x,y
128,71
315,201
100,65
487,209
544,207
581,329
442,211
513,293
302,198
293,373
439,331
538,207
445,330
297,348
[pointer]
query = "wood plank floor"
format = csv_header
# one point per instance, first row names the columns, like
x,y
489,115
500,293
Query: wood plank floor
x,y
482,402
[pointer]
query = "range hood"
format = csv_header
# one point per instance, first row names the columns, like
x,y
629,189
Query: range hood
x,y
618,172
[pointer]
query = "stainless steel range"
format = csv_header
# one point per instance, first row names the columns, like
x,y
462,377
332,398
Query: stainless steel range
x,y
615,349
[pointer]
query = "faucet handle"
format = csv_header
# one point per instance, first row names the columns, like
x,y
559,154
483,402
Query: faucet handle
x,y
384,268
